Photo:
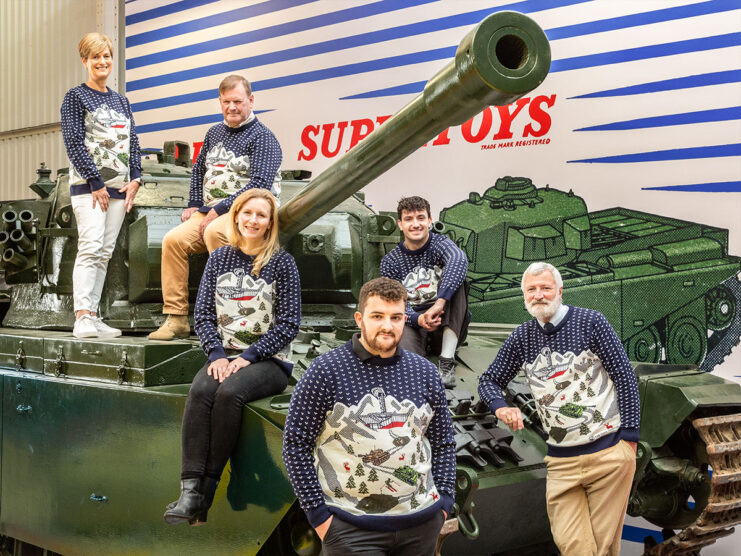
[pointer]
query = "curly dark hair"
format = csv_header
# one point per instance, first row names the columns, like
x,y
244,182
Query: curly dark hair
x,y
413,204
385,288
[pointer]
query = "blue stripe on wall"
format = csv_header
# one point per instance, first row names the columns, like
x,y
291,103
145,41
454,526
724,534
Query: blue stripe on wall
x,y
280,55
637,534
309,76
199,24
688,82
701,116
644,18
166,10
185,122
405,89
458,20
717,187
647,52
713,151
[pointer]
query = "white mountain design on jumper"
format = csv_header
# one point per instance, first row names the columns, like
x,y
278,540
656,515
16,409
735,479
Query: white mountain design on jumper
x,y
374,458
422,284
226,174
574,395
107,134
244,308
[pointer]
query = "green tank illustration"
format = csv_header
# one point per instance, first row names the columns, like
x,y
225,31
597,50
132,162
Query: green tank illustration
x,y
668,287
90,436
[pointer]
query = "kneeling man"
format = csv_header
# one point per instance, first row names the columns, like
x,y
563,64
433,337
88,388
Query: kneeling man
x,y
586,394
433,270
368,443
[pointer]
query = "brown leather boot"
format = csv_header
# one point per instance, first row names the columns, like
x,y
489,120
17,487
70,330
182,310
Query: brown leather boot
x,y
175,327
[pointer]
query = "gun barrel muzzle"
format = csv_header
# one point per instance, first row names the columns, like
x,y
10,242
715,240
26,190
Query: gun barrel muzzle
x,y
9,218
21,240
26,219
13,257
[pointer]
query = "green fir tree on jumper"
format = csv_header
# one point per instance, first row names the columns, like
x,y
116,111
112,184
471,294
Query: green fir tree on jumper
x,y
359,471
413,503
372,476
583,429
362,489
349,449
598,417
577,397
350,483
590,392
582,386
338,493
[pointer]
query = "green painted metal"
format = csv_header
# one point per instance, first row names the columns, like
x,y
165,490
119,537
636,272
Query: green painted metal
x,y
671,393
664,284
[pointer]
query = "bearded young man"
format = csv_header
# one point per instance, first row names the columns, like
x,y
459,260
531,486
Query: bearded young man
x,y
586,394
368,442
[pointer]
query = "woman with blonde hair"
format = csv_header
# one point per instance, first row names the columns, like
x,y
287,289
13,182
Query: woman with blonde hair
x,y
247,312
104,176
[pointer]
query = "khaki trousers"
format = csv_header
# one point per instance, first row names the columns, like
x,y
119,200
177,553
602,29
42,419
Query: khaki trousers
x,y
587,497
177,244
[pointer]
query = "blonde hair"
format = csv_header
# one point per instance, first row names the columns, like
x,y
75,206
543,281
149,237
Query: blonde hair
x,y
231,81
94,43
270,246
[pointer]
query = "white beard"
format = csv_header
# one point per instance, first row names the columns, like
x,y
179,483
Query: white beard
x,y
543,311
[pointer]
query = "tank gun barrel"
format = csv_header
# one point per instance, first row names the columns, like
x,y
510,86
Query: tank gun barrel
x,y
504,57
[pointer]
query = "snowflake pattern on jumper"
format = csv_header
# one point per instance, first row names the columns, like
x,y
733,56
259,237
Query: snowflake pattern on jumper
x,y
378,447
422,285
227,174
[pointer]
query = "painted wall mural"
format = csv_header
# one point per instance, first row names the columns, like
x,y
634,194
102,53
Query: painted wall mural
x,y
625,162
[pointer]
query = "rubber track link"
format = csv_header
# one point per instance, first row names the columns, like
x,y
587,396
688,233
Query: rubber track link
x,y
722,437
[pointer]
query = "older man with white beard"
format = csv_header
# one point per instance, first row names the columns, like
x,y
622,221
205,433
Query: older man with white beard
x,y
586,394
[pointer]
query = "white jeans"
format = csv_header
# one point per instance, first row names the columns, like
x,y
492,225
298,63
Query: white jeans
x,y
97,233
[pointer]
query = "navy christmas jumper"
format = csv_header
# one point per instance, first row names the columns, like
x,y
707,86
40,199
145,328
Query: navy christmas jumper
x,y
233,160
258,316
101,143
370,440
435,270
584,386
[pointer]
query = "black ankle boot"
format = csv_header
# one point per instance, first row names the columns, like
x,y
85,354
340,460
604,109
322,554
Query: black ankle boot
x,y
190,504
208,488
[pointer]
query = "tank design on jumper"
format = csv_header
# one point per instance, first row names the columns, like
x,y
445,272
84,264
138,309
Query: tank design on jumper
x,y
90,435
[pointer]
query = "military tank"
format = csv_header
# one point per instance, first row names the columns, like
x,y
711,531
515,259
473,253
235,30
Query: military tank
x,y
669,287
90,444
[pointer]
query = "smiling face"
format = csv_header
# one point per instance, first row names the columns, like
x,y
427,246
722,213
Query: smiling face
x,y
236,105
415,225
99,66
253,220
381,325
542,296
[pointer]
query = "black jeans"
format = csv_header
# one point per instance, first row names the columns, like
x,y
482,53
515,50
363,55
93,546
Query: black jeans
x,y
213,414
343,538
455,316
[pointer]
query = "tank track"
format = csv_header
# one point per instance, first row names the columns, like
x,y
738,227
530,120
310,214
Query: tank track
x,y
720,346
722,437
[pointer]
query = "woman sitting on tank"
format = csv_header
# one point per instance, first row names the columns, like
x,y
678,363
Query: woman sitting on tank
x,y
247,312
104,176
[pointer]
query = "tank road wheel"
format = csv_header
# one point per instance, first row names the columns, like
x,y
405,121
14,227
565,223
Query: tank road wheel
x,y
721,436
645,346
720,305
687,343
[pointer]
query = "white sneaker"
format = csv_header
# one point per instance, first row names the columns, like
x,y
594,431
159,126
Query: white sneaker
x,y
105,331
85,328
